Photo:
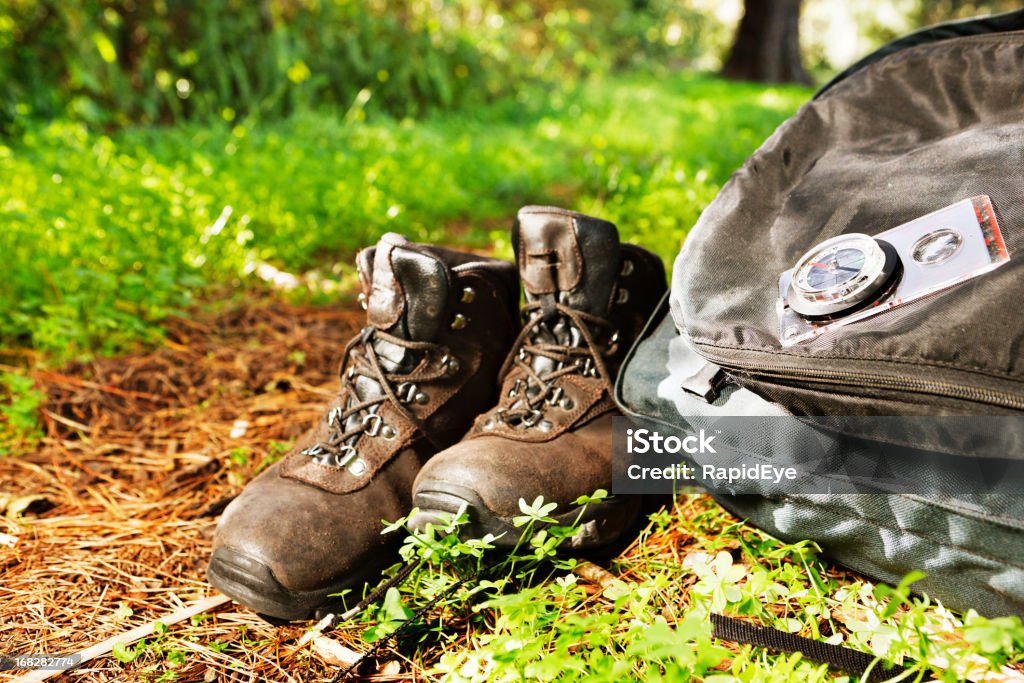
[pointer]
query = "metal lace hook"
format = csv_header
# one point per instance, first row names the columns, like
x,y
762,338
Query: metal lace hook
x,y
372,423
346,454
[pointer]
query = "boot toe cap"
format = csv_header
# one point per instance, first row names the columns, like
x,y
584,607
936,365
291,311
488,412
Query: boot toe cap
x,y
489,475
282,547
499,472
487,478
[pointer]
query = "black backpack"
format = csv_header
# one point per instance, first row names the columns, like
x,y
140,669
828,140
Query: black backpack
x,y
868,260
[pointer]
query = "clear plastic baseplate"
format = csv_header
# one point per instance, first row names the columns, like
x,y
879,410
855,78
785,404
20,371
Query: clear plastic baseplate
x,y
982,251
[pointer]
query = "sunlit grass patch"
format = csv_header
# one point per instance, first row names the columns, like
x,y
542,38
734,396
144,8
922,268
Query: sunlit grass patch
x,y
543,614
105,235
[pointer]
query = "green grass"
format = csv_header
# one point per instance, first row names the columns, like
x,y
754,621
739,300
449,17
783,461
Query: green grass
x,y
534,617
468,613
105,235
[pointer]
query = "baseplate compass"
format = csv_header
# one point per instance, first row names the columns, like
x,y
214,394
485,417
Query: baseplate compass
x,y
852,277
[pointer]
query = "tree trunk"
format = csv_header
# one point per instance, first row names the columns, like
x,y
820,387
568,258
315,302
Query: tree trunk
x,y
767,44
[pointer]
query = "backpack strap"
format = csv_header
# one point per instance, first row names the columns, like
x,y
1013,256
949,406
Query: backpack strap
x,y
851,661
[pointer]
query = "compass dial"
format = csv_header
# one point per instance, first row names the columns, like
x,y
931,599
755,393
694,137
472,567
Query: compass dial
x,y
842,274
835,268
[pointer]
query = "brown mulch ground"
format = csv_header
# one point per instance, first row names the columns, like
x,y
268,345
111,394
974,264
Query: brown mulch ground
x,y
141,454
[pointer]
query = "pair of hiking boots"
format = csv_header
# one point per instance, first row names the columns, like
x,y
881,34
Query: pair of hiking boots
x,y
451,396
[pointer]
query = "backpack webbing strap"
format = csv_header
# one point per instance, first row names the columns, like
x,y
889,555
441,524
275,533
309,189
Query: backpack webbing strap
x,y
853,662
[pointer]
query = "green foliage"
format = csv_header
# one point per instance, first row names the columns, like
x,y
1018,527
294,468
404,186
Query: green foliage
x,y
994,638
527,612
243,466
161,654
928,12
19,406
531,617
915,14
126,653
123,611
113,62
107,234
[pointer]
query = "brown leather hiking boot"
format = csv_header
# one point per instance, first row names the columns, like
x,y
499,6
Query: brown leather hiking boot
x,y
439,324
587,299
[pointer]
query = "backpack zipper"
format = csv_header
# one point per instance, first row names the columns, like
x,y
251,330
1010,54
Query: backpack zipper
x,y
771,371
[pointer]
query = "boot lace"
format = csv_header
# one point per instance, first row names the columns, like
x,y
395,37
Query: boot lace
x,y
533,391
361,359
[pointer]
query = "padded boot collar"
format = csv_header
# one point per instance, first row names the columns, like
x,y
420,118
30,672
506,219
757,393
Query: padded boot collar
x,y
408,289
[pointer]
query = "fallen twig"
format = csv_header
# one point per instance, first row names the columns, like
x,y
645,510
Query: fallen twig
x,y
57,378
136,633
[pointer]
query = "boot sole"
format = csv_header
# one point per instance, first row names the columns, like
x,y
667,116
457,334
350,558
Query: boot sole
x,y
251,583
603,526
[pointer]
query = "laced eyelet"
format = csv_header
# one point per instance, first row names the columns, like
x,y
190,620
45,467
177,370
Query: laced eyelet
x,y
345,456
372,424
460,322
363,300
532,418
406,392
468,294
346,423
450,364
334,417
587,367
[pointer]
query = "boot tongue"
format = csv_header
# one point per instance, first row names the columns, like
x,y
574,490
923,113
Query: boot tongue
x,y
567,257
408,290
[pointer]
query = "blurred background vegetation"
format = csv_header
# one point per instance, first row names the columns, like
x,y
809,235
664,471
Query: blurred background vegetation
x,y
115,62
159,152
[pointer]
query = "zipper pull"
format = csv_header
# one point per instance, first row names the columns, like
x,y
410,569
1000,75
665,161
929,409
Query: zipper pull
x,y
706,383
